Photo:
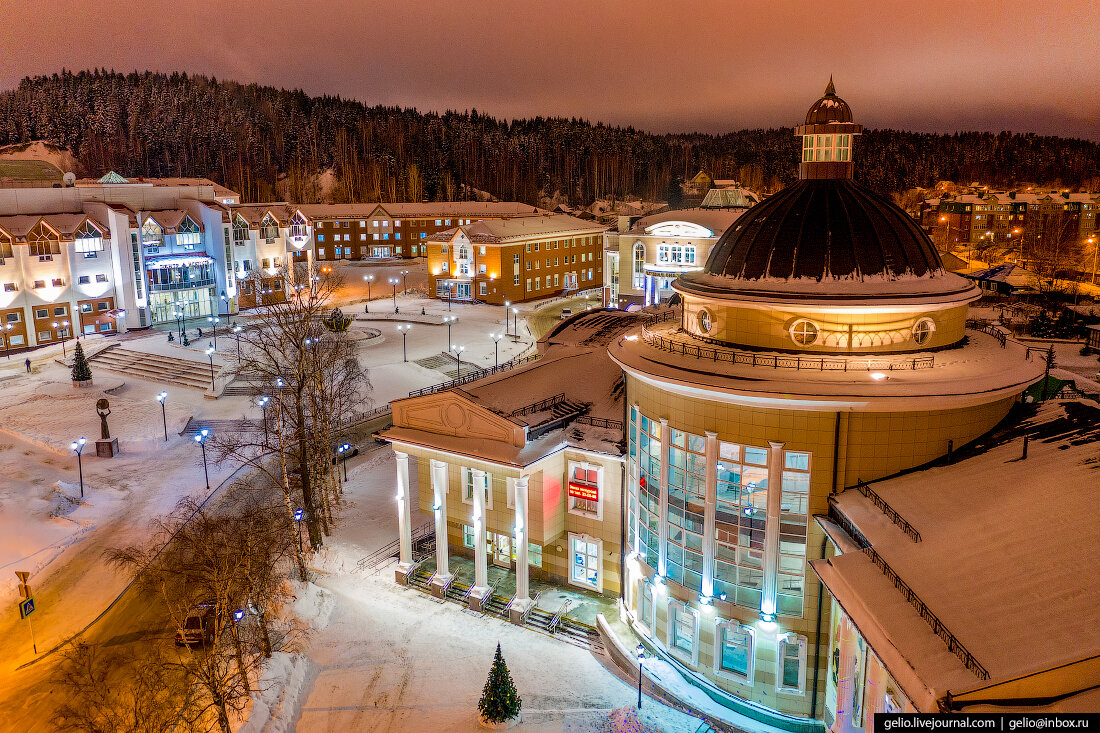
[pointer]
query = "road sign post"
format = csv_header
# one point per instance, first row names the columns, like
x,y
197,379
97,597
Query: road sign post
x,y
26,603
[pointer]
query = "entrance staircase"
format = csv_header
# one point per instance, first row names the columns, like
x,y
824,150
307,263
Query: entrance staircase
x,y
154,367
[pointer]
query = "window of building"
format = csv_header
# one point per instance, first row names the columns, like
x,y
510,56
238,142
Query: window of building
x,y
804,333
923,330
187,233
468,487
11,288
482,288
84,279
45,336
528,283
58,282
467,536
794,508
101,278
739,523
585,561
584,489
85,307
639,266
792,664
735,652
39,284
683,631
686,482
88,239
102,305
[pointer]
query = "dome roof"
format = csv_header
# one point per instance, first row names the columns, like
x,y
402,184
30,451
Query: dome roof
x,y
829,229
829,108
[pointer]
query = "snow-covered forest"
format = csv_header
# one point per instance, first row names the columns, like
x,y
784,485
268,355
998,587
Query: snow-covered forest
x,y
270,143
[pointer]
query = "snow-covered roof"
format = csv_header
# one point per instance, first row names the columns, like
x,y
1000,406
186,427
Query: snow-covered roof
x,y
497,231
716,220
1006,559
574,362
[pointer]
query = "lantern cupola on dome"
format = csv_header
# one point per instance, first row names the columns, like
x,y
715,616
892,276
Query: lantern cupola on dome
x,y
827,138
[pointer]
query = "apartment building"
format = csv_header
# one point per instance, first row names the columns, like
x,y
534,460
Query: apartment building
x,y
383,231
516,259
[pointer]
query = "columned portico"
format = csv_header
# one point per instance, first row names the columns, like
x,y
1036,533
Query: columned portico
x,y
481,569
522,600
404,518
443,575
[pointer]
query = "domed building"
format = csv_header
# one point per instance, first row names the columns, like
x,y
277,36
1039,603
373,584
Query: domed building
x,y
822,343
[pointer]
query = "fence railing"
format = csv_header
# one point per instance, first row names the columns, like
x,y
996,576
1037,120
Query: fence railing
x,y
473,376
784,361
539,406
996,331
953,644
888,510
600,422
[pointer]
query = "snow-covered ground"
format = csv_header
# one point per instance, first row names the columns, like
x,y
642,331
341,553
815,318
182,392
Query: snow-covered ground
x,y
392,659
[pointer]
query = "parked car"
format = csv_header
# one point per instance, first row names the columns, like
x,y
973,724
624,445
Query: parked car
x,y
198,627
566,313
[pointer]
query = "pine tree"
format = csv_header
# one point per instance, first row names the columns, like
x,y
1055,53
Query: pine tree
x,y
81,371
499,700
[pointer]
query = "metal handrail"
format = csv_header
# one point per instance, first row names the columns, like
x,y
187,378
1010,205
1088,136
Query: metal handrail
x,y
555,621
539,406
442,386
953,644
600,422
534,602
783,361
888,510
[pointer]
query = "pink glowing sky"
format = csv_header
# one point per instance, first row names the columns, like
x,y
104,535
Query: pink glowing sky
x,y
705,65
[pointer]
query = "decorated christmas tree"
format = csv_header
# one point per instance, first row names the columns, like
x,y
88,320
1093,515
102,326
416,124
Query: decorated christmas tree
x,y
81,371
499,700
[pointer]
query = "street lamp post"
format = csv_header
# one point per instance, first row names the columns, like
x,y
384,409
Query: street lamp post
x,y
641,657
449,320
214,321
368,279
78,448
201,440
163,413
210,353
64,351
298,519
458,351
7,339
237,332
393,284
515,321
496,337
404,329
262,402
404,281
343,451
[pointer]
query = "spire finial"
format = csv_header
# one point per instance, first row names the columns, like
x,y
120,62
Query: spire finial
x,y
830,90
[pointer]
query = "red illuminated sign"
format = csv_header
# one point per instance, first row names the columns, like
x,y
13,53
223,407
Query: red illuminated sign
x,y
583,491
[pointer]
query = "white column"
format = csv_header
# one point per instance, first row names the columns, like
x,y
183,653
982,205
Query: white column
x,y
662,521
523,591
439,487
709,510
771,530
404,510
481,569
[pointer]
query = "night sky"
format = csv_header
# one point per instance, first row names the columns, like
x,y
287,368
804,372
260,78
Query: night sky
x,y
663,66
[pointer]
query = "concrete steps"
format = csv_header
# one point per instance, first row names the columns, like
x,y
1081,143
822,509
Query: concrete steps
x,y
155,367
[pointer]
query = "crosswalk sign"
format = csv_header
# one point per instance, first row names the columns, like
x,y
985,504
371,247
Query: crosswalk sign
x,y
26,608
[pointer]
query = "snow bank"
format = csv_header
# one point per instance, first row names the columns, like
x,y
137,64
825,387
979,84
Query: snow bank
x,y
275,704
312,604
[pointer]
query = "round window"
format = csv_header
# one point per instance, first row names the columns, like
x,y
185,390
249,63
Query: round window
x,y
705,321
923,330
804,332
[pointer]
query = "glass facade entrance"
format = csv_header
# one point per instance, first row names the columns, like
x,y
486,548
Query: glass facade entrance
x,y
196,303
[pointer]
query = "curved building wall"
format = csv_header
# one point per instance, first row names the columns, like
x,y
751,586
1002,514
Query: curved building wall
x,y
830,330
721,498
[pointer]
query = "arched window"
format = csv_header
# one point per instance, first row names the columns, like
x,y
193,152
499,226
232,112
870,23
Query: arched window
x,y
240,231
152,235
187,233
298,225
43,243
923,330
88,239
639,265
269,228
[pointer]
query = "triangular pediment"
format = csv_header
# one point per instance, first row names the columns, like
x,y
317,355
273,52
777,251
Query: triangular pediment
x,y
451,413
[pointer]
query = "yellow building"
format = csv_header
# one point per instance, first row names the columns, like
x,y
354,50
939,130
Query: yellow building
x,y
823,343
